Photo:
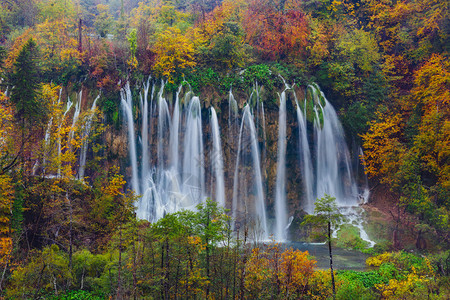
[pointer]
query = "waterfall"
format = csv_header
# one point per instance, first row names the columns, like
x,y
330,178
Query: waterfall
x,y
174,132
193,175
127,106
280,188
145,169
333,173
175,178
47,135
163,128
217,159
76,114
248,196
68,107
85,138
305,160
364,191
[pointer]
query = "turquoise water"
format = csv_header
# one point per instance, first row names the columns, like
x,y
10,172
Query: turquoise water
x,y
343,259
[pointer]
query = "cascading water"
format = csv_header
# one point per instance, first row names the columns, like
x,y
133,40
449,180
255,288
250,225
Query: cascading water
x,y
217,159
175,178
84,146
68,107
163,128
280,189
248,196
333,173
76,114
145,168
305,161
127,106
364,191
193,160
174,132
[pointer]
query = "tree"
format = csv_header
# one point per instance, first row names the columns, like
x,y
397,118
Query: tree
x,y
276,29
221,43
103,21
25,82
29,111
326,213
47,271
6,243
174,53
212,225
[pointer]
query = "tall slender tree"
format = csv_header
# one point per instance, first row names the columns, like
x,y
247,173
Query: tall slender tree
x,y
326,213
25,82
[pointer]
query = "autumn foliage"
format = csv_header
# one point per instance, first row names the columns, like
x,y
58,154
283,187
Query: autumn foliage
x,y
278,30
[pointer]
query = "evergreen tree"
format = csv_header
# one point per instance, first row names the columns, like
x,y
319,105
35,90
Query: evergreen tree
x,y
25,82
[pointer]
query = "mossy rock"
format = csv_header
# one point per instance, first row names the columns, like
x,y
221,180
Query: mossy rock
x,y
313,97
348,237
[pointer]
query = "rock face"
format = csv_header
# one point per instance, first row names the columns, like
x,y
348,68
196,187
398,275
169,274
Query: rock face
x,y
177,154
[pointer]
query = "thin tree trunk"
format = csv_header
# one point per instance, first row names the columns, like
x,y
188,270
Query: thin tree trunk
x,y
331,260
119,279
207,259
80,41
166,281
3,273
134,271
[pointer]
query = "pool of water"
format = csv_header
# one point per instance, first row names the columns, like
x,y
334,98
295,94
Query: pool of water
x,y
343,259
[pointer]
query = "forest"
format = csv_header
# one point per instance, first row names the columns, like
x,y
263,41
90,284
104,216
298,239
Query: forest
x,y
71,225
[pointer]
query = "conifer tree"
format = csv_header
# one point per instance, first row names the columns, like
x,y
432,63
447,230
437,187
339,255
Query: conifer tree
x,y
25,82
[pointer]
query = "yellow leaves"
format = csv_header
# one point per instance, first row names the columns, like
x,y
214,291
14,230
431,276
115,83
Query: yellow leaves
x,y
132,62
174,53
58,45
6,124
383,149
432,91
394,67
115,185
320,285
6,247
6,200
432,83
376,261
399,289
16,48
291,270
296,269
57,152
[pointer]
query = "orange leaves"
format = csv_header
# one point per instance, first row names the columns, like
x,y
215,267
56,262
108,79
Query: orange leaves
x,y
271,270
383,150
6,201
432,91
16,48
296,269
276,32
432,84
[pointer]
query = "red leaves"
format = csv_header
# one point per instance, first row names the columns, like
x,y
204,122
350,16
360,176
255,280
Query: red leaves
x,y
277,32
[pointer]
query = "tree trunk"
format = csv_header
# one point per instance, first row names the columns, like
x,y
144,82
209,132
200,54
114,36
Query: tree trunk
x,y
331,260
80,41
207,258
119,269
